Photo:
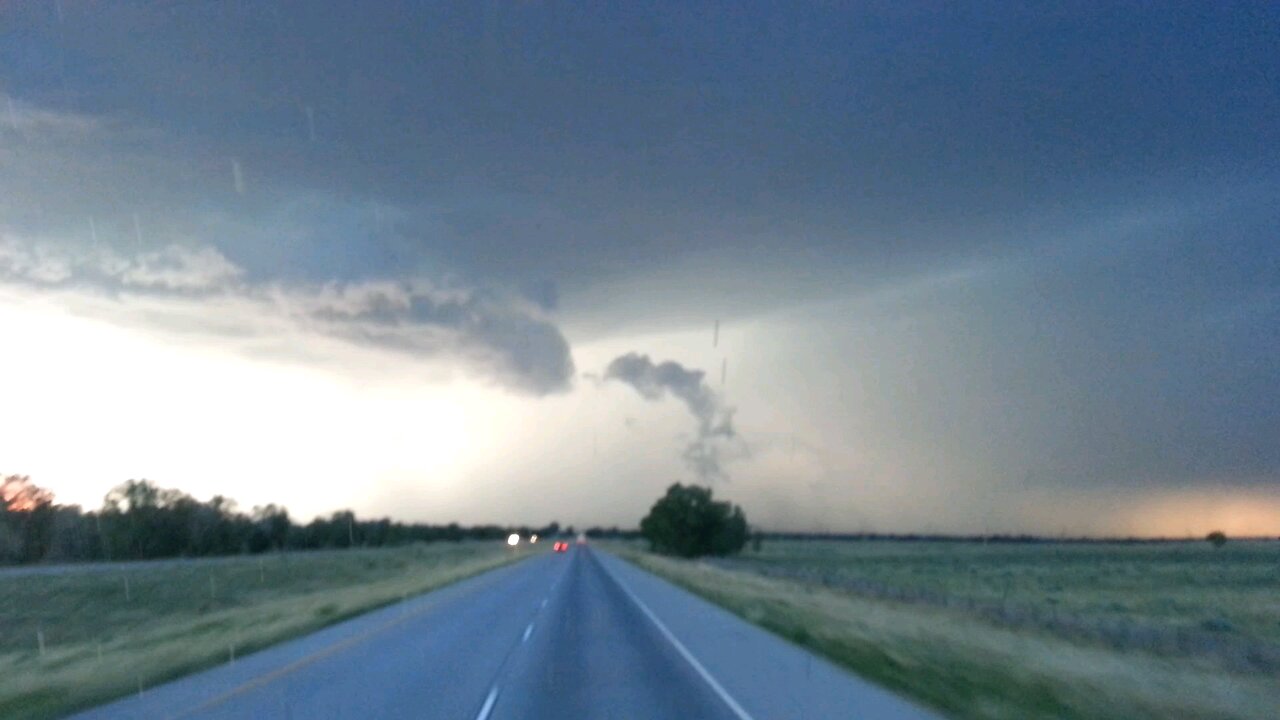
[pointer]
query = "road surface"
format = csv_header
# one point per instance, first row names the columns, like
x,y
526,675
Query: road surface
x,y
556,637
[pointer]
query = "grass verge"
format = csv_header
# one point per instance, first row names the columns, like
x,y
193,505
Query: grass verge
x,y
970,669
109,632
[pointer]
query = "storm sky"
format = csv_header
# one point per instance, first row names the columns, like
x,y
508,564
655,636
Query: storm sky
x,y
882,266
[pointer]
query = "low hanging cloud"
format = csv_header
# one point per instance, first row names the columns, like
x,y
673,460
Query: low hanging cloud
x,y
167,275
195,289
706,455
507,339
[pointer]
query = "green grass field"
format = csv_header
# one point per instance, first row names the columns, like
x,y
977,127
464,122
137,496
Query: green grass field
x,y
1023,631
1171,597
102,639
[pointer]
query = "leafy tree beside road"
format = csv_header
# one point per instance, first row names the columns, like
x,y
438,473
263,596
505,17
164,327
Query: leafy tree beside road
x,y
688,523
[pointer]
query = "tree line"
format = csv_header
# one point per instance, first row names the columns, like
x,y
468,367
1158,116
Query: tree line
x,y
141,521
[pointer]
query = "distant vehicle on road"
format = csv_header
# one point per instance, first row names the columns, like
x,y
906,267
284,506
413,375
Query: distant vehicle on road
x,y
561,546
582,538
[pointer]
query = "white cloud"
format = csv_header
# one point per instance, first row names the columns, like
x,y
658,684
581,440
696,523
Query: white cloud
x,y
33,263
179,268
173,267
27,119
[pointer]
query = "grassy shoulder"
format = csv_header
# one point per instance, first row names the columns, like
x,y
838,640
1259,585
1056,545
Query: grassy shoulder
x,y
108,632
968,668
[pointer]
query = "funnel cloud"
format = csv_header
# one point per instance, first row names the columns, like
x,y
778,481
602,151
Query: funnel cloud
x,y
705,456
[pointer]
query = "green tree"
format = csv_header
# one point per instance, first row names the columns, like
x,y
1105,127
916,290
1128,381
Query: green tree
x,y
1217,538
26,520
272,523
687,522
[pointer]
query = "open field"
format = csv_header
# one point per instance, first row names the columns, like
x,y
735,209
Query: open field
x,y
108,632
1175,598
1022,631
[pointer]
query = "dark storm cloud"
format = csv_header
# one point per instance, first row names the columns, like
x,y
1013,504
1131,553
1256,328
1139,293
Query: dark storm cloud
x,y
1096,185
715,421
508,339
549,142
544,293
654,381
1138,365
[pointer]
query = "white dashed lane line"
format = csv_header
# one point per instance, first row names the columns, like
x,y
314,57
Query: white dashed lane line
x,y
488,704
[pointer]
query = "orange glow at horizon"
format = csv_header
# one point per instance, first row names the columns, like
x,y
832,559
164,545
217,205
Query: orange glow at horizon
x,y
18,494
1237,512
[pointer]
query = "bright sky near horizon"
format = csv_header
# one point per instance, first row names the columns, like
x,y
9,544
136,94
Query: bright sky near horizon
x,y
875,266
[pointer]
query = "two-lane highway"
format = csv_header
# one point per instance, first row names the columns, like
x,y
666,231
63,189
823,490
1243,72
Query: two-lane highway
x,y
596,655
574,635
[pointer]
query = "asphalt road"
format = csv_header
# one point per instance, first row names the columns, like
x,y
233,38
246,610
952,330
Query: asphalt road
x,y
559,636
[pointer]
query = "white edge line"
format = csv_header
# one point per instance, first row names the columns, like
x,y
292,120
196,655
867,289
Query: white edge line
x,y
527,632
488,704
724,694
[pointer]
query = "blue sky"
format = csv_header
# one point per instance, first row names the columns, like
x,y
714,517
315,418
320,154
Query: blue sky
x,y
1007,259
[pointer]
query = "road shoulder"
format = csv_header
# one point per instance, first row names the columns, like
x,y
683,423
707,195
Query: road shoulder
x,y
766,675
